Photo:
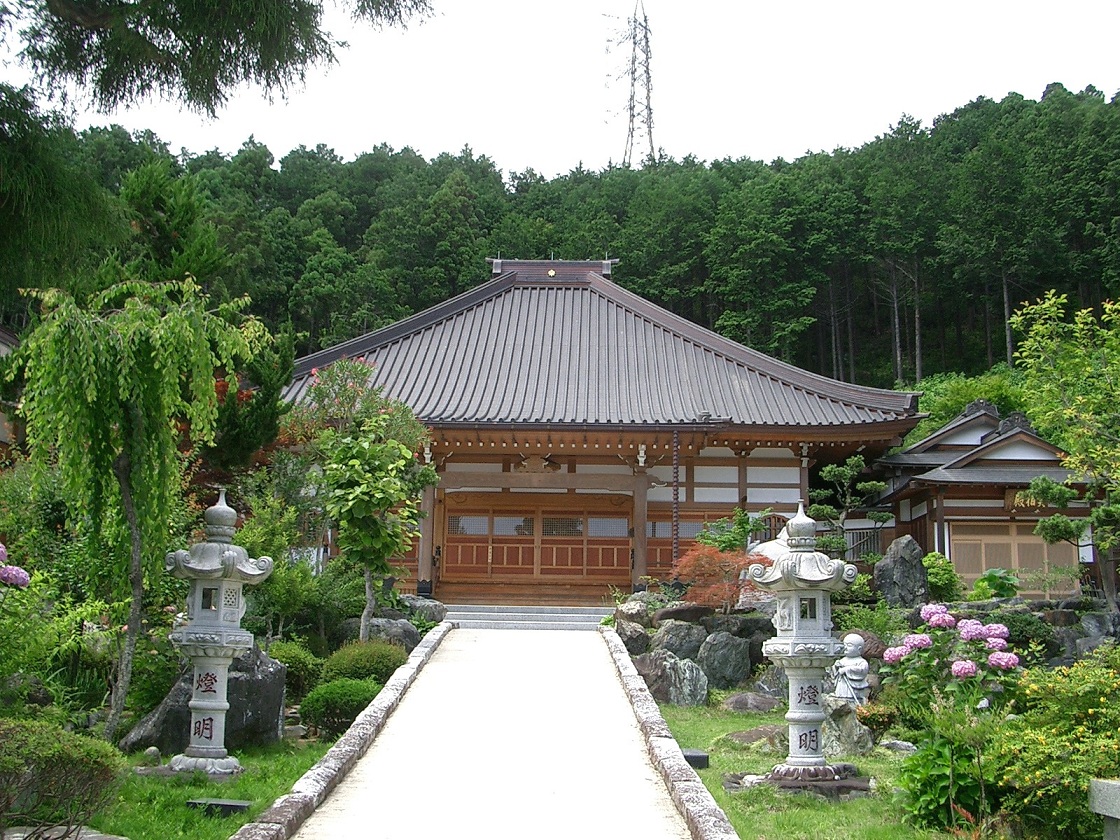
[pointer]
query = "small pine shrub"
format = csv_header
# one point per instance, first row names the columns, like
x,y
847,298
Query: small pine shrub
x,y
303,667
332,706
944,582
50,777
375,659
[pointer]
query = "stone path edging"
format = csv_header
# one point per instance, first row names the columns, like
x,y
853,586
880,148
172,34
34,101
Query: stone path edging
x,y
288,813
706,820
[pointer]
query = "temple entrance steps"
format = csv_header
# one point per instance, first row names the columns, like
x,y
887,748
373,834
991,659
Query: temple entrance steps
x,y
495,617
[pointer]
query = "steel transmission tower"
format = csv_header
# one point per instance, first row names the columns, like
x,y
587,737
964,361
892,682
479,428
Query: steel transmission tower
x,y
640,111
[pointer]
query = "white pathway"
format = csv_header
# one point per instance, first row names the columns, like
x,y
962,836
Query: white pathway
x,y
506,734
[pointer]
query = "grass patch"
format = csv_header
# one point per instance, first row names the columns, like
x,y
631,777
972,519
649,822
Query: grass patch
x,y
764,814
155,807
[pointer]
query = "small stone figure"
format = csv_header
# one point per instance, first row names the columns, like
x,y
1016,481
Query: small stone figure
x,y
850,672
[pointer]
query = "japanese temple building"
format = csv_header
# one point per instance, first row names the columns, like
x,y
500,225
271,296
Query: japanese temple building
x,y
583,434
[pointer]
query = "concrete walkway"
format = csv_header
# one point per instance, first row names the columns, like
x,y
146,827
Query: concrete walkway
x,y
506,734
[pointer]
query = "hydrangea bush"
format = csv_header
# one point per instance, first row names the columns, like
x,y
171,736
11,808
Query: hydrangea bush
x,y
959,657
951,679
12,575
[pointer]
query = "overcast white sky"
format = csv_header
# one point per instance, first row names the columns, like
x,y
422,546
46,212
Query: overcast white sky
x,y
532,84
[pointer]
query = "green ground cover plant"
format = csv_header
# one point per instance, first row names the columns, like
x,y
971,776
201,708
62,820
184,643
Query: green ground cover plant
x,y
154,807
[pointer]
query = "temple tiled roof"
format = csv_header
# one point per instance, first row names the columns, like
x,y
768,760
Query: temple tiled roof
x,y
549,343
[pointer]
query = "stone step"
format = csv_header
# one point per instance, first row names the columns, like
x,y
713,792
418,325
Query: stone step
x,y
504,617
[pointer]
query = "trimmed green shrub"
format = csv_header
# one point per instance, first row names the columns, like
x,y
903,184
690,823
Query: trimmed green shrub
x,y
50,777
303,667
944,582
375,659
332,706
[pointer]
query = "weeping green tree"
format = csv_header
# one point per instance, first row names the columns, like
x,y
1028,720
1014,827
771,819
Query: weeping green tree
x,y
110,386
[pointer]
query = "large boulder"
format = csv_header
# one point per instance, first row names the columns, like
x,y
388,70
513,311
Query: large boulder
x,y
750,701
841,732
673,680
255,716
396,630
681,611
900,576
637,612
425,608
771,681
634,637
736,625
725,660
680,638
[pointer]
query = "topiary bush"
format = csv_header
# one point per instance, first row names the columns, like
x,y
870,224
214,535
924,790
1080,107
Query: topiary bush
x,y
944,582
375,659
332,706
50,777
303,667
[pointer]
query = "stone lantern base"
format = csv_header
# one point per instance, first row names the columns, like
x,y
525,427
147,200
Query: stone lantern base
x,y
843,783
226,766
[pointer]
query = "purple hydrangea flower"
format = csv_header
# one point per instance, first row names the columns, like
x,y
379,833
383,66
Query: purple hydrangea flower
x,y
3,554
971,629
14,576
893,655
964,668
918,640
930,610
995,644
996,631
943,621
1003,660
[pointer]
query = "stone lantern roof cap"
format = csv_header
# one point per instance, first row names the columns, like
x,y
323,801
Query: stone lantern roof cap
x,y
216,558
802,567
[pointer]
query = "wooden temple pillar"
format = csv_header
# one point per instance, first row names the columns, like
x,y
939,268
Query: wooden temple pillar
x,y
640,567
425,549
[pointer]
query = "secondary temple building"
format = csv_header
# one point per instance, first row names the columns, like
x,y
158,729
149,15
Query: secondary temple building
x,y
583,435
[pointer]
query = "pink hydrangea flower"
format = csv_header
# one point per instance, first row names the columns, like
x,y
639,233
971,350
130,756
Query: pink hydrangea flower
x,y
995,644
971,629
14,576
918,640
942,621
930,610
894,655
964,668
996,631
1003,660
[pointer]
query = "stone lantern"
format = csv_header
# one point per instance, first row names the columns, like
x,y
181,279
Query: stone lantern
x,y
212,636
802,579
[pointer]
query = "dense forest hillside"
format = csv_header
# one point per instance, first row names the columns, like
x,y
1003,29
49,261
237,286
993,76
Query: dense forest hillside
x,y
881,264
